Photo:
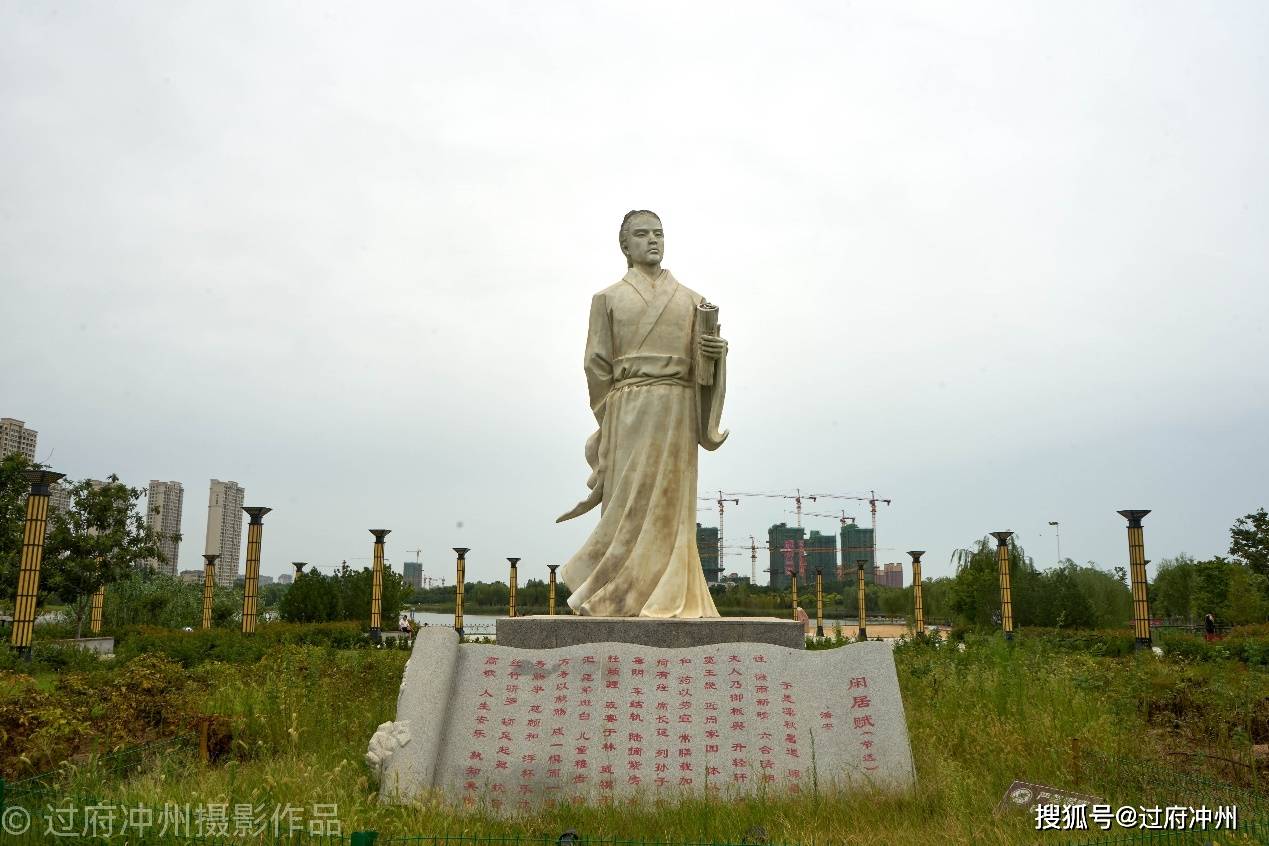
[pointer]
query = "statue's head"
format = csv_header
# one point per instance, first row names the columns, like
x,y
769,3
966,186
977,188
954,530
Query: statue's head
x,y
641,238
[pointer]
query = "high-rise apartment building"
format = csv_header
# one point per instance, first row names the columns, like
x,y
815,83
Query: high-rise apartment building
x,y
890,575
163,513
777,538
707,549
16,437
224,528
821,553
59,498
412,571
857,545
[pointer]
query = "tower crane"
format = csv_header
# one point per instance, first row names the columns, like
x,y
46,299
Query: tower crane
x,y
722,501
872,499
797,498
843,518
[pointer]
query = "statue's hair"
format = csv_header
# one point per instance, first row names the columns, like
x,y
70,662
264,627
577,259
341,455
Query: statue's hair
x,y
623,234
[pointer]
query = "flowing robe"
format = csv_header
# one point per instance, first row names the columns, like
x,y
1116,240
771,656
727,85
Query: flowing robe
x,y
641,560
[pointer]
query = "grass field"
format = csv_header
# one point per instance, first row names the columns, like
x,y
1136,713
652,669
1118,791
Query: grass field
x,y
979,718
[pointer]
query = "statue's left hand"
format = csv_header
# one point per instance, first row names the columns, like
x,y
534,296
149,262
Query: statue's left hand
x,y
712,346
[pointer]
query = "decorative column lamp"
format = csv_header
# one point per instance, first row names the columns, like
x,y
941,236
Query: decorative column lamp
x,y
94,611
793,584
1006,593
32,557
511,585
458,588
918,607
209,581
299,567
819,601
251,582
863,602
1137,568
376,587
550,590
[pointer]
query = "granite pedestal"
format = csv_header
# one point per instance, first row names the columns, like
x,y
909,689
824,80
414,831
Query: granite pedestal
x,y
544,632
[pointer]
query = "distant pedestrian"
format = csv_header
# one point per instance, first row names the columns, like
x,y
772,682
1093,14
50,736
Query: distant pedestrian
x,y
1209,628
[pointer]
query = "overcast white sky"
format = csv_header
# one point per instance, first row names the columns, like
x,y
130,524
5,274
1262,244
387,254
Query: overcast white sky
x,y
1003,263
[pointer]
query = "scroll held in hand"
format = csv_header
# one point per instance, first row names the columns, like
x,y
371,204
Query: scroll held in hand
x,y
706,324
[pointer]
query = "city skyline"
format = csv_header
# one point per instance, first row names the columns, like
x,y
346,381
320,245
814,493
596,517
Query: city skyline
x,y
736,557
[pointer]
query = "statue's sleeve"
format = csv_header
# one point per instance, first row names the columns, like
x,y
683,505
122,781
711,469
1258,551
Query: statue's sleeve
x,y
598,364
709,402
710,405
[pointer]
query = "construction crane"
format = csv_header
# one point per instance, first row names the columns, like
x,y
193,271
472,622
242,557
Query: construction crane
x,y
797,498
842,516
722,501
872,501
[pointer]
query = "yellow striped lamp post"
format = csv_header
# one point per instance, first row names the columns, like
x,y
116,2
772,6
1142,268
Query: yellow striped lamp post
x,y
863,602
209,584
94,611
1137,568
251,582
511,585
793,583
458,588
32,557
376,587
918,607
1006,593
550,591
819,601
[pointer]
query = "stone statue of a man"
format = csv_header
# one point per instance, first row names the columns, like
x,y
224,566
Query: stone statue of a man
x,y
642,354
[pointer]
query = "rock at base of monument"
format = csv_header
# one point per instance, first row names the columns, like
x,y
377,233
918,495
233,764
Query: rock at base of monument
x,y
513,731
543,632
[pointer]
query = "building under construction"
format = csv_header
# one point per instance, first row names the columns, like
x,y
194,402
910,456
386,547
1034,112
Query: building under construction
x,y
707,548
821,554
856,547
783,544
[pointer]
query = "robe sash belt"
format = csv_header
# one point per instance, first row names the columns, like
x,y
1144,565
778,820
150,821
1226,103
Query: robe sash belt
x,y
594,453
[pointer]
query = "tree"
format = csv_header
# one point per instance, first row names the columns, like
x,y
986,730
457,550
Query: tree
x,y
1172,594
1065,605
975,593
312,598
14,488
1211,586
99,539
1107,593
1245,602
1249,541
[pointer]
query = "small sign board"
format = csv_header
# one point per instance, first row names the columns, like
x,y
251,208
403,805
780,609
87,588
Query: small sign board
x,y
1023,796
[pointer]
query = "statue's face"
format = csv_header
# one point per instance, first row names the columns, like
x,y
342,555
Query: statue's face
x,y
645,242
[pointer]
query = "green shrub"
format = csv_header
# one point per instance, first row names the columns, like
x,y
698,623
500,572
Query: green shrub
x,y
233,647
